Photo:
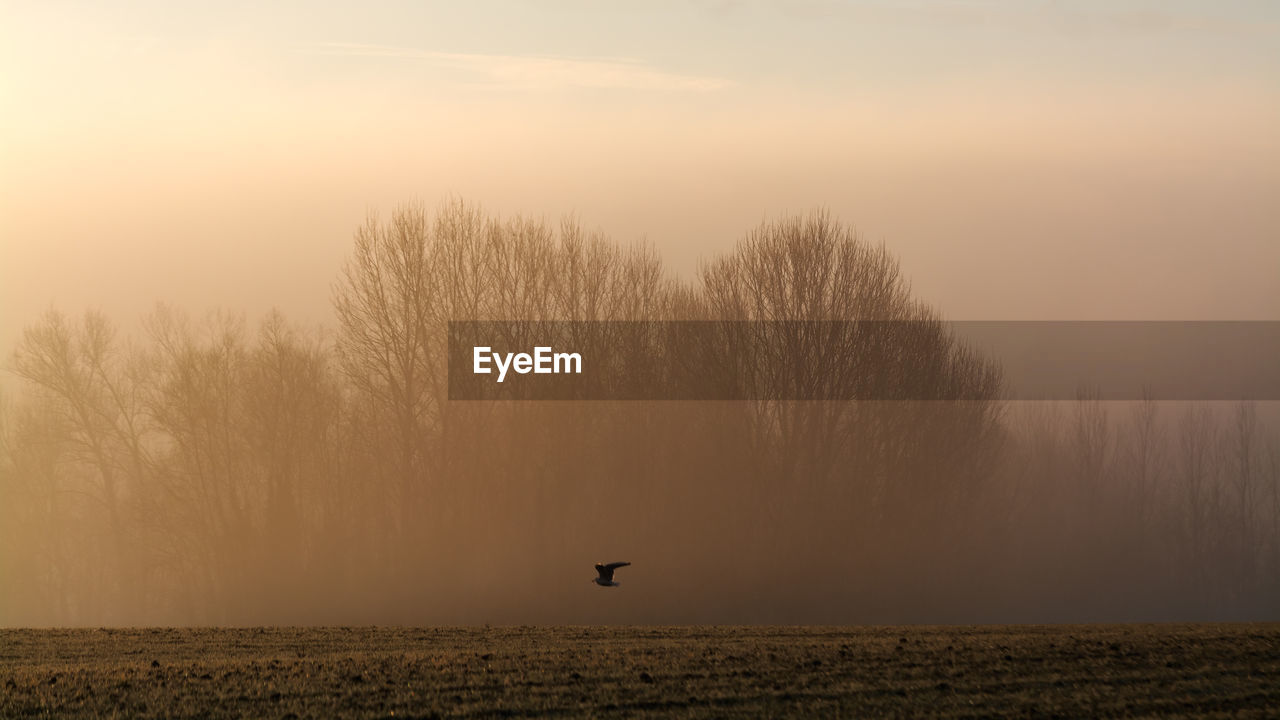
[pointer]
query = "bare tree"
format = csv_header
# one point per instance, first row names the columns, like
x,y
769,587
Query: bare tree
x,y
1242,451
388,346
95,389
831,317
1199,505
291,409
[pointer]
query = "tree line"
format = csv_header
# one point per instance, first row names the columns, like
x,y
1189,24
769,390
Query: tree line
x,y
212,471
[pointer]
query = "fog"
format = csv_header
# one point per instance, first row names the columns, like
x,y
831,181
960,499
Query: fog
x,y
215,471
205,445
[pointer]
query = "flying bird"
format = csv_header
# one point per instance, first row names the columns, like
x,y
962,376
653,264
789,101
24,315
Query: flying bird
x,y
605,571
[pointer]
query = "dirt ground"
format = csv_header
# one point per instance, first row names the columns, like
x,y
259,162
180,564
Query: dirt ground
x,y
919,671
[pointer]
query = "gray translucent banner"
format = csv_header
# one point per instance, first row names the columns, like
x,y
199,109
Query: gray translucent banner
x,y
864,360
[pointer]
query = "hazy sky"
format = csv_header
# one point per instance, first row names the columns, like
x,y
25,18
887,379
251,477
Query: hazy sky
x,y
1024,159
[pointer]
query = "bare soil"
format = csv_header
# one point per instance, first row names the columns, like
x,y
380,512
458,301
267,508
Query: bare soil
x,y
946,672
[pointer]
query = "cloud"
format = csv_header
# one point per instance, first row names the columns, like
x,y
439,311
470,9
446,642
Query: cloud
x,y
541,72
1068,16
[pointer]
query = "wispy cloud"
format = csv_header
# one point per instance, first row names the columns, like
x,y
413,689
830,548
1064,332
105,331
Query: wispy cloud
x,y
540,71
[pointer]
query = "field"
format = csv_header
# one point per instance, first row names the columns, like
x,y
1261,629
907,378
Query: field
x,y
917,671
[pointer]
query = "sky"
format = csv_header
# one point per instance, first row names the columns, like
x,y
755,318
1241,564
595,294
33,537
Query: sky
x,y
1024,160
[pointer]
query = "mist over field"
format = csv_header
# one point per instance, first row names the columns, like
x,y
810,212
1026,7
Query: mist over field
x,y
218,471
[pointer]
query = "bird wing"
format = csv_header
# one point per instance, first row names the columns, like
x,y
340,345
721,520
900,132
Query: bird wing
x,y
606,569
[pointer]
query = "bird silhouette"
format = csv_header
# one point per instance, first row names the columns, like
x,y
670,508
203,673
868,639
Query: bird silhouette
x,y
605,571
